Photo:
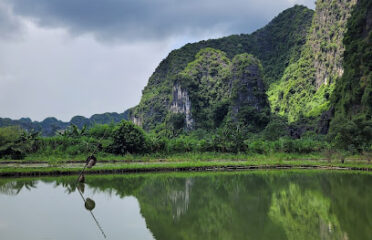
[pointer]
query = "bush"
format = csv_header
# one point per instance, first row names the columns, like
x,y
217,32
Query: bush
x,y
258,146
156,143
276,128
101,131
176,123
182,144
352,135
70,146
15,143
128,138
230,138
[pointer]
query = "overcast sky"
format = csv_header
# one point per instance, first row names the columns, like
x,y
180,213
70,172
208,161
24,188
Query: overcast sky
x,y
64,58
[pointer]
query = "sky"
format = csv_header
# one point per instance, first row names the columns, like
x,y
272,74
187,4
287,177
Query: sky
x,y
61,58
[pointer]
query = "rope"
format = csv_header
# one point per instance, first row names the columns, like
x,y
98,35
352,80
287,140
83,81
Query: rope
x,y
96,221
99,141
81,194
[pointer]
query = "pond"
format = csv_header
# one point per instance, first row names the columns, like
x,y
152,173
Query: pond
x,y
276,204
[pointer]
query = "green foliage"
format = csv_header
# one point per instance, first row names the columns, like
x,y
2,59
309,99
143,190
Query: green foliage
x,y
276,128
128,138
352,99
207,82
219,90
307,84
156,143
218,75
15,143
353,135
250,107
285,145
101,131
69,146
230,138
73,131
9,134
176,123
276,45
219,112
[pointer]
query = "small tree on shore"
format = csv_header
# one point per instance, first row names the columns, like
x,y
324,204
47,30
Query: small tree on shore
x,y
128,138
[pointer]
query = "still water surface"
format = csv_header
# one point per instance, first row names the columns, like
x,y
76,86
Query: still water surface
x,y
243,205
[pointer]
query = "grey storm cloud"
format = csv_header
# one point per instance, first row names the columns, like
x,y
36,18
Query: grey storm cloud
x,y
154,19
57,54
9,25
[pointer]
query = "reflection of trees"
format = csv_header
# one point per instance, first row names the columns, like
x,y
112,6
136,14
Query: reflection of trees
x,y
256,205
14,187
304,215
351,196
219,207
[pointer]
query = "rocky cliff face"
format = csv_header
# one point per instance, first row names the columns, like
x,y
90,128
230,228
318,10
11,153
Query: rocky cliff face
x,y
137,121
181,104
302,59
206,79
353,93
249,100
326,38
212,89
276,45
307,84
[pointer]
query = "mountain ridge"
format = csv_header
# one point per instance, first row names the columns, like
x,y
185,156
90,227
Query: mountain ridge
x,y
50,125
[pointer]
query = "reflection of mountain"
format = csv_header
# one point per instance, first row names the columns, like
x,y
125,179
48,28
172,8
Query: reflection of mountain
x,y
220,207
255,205
305,214
181,199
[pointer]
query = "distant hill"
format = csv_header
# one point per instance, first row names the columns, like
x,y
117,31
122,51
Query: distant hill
x,y
50,125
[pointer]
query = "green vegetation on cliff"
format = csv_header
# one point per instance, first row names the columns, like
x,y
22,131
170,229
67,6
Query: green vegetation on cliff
x,y
206,81
351,126
301,59
276,45
307,84
214,89
270,91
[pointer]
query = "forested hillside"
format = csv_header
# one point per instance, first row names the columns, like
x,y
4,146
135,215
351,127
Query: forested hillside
x,y
352,98
276,45
300,55
302,74
213,90
301,84
306,85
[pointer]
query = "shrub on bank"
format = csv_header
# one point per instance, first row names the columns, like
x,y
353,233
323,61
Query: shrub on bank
x,y
128,138
16,143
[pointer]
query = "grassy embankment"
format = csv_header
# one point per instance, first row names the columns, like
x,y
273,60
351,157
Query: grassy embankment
x,y
63,165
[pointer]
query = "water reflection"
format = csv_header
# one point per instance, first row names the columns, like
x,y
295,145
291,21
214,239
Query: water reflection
x,y
15,187
89,205
305,214
253,205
